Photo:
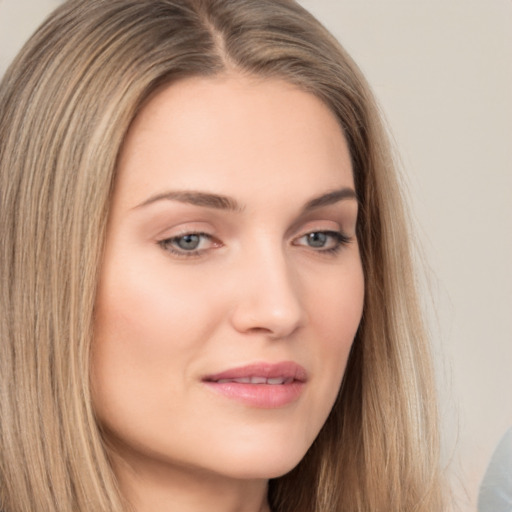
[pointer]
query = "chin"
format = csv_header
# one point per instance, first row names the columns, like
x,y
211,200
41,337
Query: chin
x,y
262,449
264,463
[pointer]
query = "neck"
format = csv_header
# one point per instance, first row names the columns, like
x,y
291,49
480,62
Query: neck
x,y
167,488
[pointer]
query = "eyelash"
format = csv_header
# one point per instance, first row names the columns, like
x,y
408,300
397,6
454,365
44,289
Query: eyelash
x,y
167,245
340,240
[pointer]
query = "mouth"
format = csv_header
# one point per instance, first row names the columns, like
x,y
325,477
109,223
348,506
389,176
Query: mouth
x,y
261,385
258,380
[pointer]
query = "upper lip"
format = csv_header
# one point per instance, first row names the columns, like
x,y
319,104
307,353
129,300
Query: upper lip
x,y
287,370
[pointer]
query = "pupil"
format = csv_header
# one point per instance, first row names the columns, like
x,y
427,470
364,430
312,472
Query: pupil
x,y
188,242
317,239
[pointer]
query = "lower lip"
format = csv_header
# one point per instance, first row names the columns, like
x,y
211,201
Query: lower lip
x,y
263,396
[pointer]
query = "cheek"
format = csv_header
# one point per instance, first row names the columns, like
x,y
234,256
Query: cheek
x,y
335,313
150,324
149,312
142,332
336,306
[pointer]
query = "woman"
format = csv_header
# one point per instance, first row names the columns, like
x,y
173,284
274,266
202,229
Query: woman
x,y
220,165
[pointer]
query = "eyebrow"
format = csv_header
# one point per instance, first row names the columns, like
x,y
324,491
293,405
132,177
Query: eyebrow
x,y
330,198
221,202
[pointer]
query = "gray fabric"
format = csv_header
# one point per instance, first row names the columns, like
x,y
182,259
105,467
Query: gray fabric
x,y
496,488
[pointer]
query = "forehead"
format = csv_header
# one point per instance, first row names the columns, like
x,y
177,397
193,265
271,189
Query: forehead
x,y
228,130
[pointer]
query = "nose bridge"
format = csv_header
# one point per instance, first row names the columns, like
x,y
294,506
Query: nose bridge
x,y
269,296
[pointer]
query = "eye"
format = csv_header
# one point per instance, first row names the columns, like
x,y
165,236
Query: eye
x,y
188,244
317,239
323,241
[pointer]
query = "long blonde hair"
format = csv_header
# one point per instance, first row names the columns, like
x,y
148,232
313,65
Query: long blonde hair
x,y
66,104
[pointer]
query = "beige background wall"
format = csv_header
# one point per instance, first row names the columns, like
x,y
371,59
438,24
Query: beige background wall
x,y
442,71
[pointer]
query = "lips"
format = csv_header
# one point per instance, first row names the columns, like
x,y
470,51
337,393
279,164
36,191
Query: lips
x,y
262,373
260,385
258,380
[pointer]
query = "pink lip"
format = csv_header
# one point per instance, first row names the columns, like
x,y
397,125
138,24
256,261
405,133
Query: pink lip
x,y
287,381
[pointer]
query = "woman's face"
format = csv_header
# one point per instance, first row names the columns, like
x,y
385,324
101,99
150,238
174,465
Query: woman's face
x,y
231,287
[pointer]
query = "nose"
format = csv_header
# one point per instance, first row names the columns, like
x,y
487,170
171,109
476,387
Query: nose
x,y
268,298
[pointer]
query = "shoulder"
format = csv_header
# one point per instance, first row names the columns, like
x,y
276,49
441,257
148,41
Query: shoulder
x,y
496,489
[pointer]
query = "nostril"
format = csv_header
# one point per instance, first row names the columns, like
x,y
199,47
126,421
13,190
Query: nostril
x,y
267,322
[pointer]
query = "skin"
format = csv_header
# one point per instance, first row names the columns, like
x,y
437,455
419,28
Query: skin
x,y
256,289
